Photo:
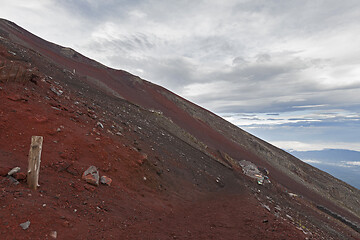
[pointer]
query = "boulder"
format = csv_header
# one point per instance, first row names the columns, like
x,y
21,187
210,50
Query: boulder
x,y
91,176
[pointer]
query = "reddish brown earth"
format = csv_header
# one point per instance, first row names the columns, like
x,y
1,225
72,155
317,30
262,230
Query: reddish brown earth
x,y
170,179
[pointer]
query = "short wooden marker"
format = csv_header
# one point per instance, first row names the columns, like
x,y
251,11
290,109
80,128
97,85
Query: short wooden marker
x,y
34,162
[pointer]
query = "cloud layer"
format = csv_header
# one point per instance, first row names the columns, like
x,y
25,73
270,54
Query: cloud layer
x,y
240,56
235,56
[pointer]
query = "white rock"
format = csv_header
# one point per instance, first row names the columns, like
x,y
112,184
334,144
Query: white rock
x,y
53,234
14,170
25,225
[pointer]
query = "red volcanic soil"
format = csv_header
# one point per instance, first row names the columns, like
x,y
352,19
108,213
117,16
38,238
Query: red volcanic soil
x,y
163,185
131,208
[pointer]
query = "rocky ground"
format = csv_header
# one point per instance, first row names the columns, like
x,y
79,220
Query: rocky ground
x,y
167,180
138,204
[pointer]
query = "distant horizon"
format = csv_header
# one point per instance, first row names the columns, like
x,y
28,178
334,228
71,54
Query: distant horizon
x,y
341,163
325,149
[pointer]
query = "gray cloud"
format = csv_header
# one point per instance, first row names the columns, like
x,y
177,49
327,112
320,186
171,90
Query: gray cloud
x,y
236,56
96,11
251,56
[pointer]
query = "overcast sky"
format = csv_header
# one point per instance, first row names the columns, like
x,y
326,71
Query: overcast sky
x,y
287,71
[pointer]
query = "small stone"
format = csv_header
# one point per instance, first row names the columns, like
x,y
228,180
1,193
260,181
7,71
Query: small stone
x,y
14,170
13,180
66,223
91,176
53,234
266,207
56,91
89,188
105,180
19,176
25,225
99,124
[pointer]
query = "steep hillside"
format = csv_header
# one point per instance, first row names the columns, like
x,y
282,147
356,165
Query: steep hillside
x,y
176,168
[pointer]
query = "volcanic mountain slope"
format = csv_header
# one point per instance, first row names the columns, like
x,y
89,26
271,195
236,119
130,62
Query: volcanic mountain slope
x,y
176,168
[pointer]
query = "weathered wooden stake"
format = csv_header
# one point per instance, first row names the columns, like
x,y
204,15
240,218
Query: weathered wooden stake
x,y
34,162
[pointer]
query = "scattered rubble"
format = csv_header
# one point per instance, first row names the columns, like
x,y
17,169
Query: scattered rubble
x,y
340,218
12,53
56,91
251,170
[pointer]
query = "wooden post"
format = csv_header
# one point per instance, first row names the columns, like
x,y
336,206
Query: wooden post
x,y
34,162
